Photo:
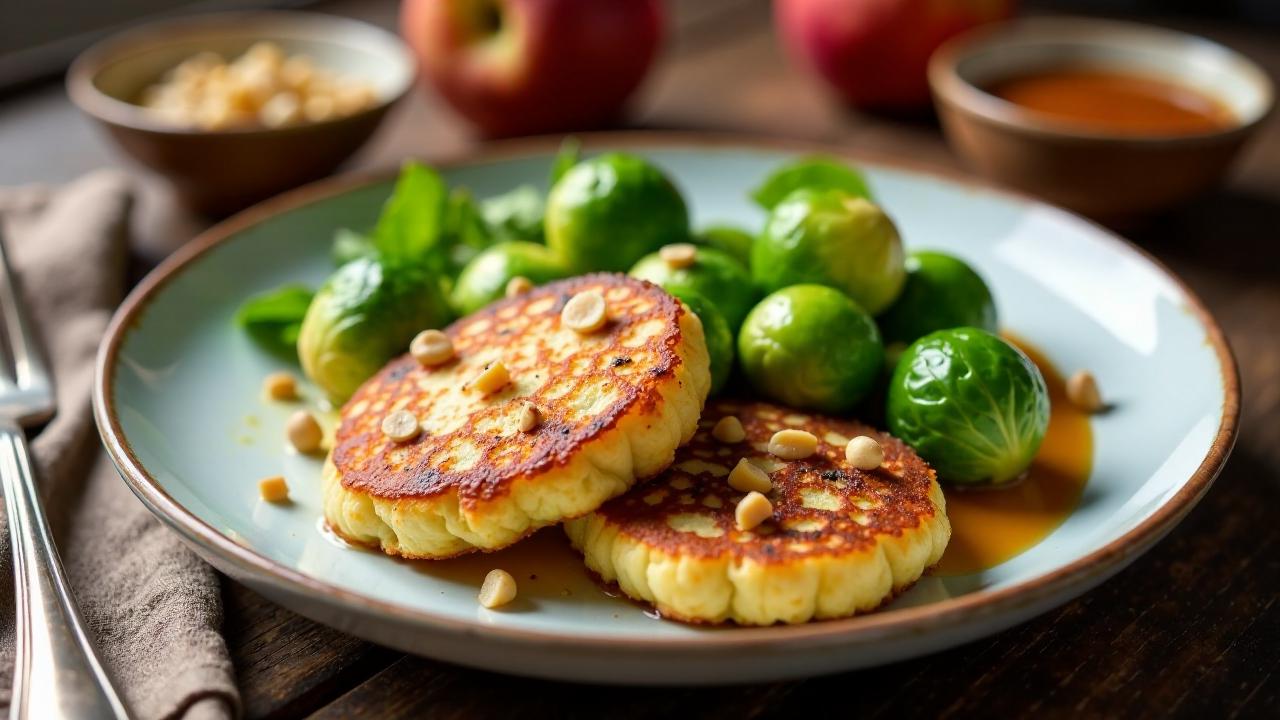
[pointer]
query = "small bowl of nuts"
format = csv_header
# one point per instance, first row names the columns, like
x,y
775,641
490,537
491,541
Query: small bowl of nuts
x,y
235,107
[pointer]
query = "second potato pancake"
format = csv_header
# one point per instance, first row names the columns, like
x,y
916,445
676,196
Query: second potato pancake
x,y
611,406
840,540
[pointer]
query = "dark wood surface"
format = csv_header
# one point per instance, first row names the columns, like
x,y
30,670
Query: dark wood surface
x,y
1190,630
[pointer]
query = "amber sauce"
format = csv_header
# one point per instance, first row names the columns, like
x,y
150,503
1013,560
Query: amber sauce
x,y
1116,102
989,527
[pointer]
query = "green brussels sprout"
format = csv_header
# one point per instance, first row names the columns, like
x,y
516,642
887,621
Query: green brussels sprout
x,y
607,212
713,275
832,238
941,292
974,406
717,333
811,346
365,314
814,173
485,278
734,241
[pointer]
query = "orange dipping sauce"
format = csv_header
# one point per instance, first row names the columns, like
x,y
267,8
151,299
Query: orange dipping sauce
x,y
989,527
1115,102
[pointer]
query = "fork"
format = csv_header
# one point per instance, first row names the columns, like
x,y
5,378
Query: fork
x,y
56,672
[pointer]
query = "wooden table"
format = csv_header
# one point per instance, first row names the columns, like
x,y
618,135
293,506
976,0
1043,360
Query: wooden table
x,y
1192,629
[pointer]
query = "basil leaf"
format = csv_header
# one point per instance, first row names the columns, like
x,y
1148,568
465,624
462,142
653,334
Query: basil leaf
x,y
274,318
412,222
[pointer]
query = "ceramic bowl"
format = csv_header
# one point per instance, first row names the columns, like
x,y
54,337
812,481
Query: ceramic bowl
x,y
217,172
1108,177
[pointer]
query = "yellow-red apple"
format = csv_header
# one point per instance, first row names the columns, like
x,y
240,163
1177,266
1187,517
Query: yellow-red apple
x,y
515,67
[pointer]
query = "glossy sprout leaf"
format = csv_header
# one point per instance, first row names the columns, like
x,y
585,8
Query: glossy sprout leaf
x,y
273,319
814,173
413,220
972,405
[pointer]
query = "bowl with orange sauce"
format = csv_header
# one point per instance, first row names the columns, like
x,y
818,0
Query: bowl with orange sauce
x,y
1111,119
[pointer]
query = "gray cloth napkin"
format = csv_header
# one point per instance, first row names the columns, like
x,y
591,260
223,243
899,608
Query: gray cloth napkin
x,y
152,606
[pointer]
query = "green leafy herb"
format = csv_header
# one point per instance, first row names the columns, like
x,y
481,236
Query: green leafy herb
x,y
813,172
274,318
413,221
349,245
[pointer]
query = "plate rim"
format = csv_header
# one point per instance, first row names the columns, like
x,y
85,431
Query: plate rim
x,y
914,620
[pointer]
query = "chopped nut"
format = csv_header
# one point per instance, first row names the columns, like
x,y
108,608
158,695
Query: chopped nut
x,y
746,477
585,312
1082,391
864,453
304,432
280,386
518,285
791,444
729,430
274,489
529,417
493,379
401,426
752,510
678,255
499,588
431,347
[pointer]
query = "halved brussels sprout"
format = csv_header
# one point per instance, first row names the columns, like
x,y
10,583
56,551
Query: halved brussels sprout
x,y
942,292
811,346
832,238
365,314
974,406
609,211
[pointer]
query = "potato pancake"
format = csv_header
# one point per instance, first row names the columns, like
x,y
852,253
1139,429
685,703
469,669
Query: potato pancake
x,y
607,406
839,540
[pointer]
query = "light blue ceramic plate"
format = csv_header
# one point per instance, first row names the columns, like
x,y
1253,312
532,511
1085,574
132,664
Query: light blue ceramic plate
x,y
178,401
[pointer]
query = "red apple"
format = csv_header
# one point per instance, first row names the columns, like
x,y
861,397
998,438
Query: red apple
x,y
875,52
515,67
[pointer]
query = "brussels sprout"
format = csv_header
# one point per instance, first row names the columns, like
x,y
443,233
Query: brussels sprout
x,y
713,275
515,215
609,211
830,237
811,346
814,173
485,278
973,406
717,333
734,241
365,314
941,292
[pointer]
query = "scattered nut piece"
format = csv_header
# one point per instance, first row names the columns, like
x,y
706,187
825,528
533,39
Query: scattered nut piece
x,y
401,426
1082,391
304,432
678,255
529,416
518,285
792,444
729,430
274,489
585,312
746,477
752,510
499,588
431,347
493,379
280,386
864,453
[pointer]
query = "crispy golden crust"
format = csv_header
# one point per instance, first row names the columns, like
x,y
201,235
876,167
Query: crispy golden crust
x,y
612,406
840,540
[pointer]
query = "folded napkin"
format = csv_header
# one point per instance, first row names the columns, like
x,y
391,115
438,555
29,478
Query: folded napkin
x,y
152,606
